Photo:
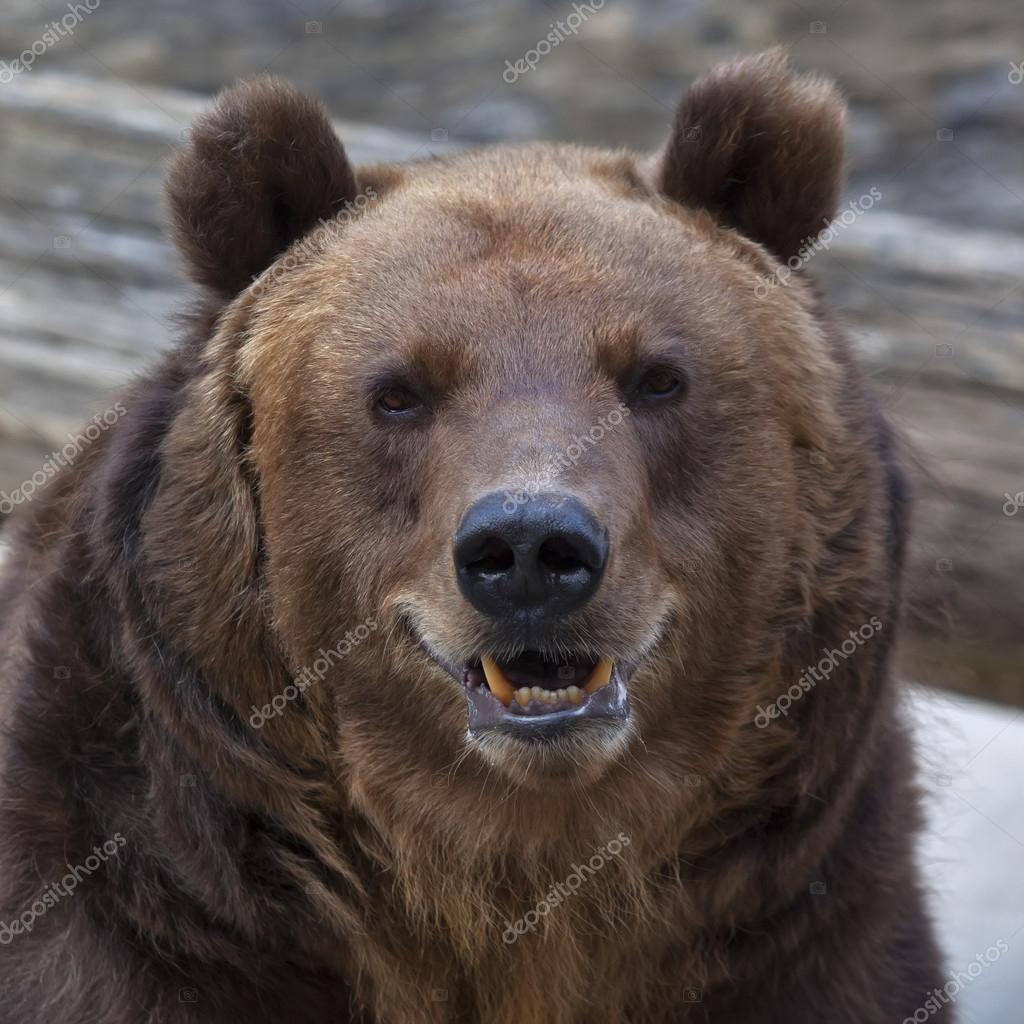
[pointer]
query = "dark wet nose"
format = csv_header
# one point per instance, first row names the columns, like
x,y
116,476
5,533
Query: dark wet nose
x,y
545,556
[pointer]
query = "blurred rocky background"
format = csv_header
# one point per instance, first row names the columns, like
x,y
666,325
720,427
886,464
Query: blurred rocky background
x,y
929,279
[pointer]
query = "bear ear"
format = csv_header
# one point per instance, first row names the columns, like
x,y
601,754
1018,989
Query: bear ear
x,y
260,170
760,148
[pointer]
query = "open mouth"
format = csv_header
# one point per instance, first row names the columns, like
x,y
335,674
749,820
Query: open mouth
x,y
541,688
539,693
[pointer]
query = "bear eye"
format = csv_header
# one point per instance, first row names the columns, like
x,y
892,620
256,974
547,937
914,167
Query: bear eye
x,y
397,400
660,382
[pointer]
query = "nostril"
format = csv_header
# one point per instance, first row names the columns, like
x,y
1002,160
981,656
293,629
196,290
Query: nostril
x,y
560,557
493,557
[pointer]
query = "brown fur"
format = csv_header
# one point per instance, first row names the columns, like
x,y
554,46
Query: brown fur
x,y
359,857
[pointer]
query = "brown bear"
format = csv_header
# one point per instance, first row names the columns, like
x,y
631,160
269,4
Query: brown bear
x,y
484,614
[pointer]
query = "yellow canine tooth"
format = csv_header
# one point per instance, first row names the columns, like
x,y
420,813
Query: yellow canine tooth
x,y
600,676
499,685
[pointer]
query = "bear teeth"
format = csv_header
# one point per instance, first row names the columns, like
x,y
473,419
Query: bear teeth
x,y
496,681
600,676
539,696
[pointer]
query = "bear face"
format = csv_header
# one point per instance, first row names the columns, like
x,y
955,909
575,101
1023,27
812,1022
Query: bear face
x,y
524,338
528,411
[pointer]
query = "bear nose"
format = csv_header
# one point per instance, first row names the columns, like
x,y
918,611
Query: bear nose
x,y
543,555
